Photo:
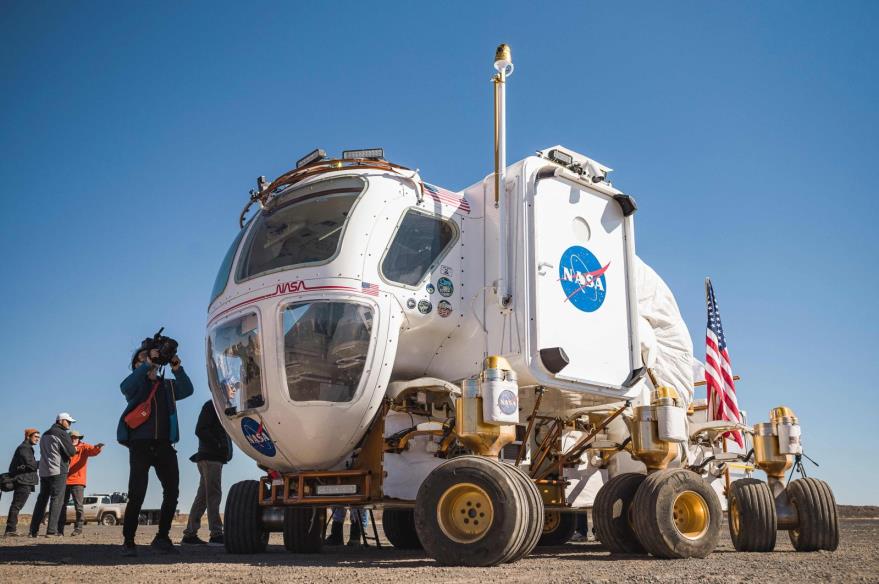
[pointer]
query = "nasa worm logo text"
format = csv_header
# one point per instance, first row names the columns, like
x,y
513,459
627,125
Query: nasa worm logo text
x,y
582,279
257,436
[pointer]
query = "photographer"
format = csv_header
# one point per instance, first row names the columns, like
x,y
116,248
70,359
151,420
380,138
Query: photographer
x,y
148,427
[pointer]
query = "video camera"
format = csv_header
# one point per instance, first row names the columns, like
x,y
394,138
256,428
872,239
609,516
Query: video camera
x,y
166,346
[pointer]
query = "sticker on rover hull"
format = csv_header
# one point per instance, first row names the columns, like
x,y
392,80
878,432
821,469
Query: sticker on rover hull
x,y
430,289
508,402
582,279
424,306
445,287
257,436
444,308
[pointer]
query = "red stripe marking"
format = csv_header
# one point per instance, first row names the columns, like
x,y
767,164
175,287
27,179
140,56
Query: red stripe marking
x,y
284,289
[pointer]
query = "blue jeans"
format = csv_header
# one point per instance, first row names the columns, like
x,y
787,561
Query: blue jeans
x,y
356,513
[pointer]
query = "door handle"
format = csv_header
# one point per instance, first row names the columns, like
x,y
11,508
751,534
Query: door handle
x,y
541,267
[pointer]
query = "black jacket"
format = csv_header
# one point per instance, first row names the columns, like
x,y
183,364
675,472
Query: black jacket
x,y
23,467
213,442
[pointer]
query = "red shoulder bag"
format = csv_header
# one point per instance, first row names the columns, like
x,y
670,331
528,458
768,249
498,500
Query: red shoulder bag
x,y
140,414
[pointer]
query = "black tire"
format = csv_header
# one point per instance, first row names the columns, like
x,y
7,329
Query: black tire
x,y
108,519
533,523
304,529
753,523
558,528
501,508
663,515
399,527
612,514
818,527
244,533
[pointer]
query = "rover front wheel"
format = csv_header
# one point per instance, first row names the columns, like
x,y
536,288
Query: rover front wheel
x,y
470,511
244,533
304,529
677,515
399,527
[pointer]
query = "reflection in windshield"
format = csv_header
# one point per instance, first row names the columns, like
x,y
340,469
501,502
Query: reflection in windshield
x,y
304,226
325,349
234,370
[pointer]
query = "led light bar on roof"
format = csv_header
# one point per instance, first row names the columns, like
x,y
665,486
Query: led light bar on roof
x,y
562,158
374,153
314,155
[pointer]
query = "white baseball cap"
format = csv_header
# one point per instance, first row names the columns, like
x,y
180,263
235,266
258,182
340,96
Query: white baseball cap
x,y
65,416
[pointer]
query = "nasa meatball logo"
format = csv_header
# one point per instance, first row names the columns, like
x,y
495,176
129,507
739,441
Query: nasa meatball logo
x,y
508,402
257,436
582,279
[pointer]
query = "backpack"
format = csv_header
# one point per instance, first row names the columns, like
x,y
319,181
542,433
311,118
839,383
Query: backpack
x,y
7,482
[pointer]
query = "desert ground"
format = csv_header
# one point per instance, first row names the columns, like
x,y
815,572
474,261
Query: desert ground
x,y
94,557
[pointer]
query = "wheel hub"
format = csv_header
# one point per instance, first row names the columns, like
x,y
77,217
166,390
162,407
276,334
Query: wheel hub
x,y
551,520
465,513
691,515
734,516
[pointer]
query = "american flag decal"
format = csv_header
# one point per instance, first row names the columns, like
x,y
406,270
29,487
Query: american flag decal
x,y
444,197
367,288
722,402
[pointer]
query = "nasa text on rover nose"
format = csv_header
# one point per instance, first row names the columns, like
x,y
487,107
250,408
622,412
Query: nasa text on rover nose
x,y
485,365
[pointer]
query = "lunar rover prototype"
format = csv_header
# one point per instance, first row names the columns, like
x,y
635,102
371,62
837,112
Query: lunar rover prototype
x,y
485,366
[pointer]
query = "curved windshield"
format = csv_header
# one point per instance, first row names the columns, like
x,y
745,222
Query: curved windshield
x,y
304,226
325,349
234,369
226,267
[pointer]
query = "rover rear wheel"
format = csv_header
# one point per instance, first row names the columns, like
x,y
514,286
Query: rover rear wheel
x,y
612,514
470,511
304,529
244,533
753,523
818,527
677,515
558,528
399,527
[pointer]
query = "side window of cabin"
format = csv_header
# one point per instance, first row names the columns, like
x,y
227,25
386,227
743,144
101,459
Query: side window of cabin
x,y
419,242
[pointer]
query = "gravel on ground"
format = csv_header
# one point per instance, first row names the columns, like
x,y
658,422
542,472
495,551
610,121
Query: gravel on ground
x,y
94,558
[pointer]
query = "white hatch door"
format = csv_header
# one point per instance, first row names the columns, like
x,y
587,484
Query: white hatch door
x,y
580,298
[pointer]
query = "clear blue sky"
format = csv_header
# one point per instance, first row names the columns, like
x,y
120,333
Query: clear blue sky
x,y
130,134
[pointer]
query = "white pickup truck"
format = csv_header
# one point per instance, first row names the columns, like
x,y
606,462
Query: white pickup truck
x,y
99,507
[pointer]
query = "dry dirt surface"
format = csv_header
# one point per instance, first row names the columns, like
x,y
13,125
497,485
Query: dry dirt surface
x,y
94,557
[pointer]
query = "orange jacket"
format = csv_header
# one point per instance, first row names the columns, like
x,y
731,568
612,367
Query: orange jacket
x,y
78,462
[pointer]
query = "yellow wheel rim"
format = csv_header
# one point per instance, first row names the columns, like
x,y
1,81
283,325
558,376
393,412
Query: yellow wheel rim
x,y
691,515
464,513
734,516
551,520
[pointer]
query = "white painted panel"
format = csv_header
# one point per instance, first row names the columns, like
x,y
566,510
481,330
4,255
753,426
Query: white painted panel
x,y
581,284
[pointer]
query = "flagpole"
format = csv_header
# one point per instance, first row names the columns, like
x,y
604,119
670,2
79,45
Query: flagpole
x,y
712,411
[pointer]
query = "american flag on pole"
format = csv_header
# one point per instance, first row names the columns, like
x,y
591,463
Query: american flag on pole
x,y
722,403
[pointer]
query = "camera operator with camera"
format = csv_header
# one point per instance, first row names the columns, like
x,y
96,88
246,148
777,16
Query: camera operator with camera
x,y
148,427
